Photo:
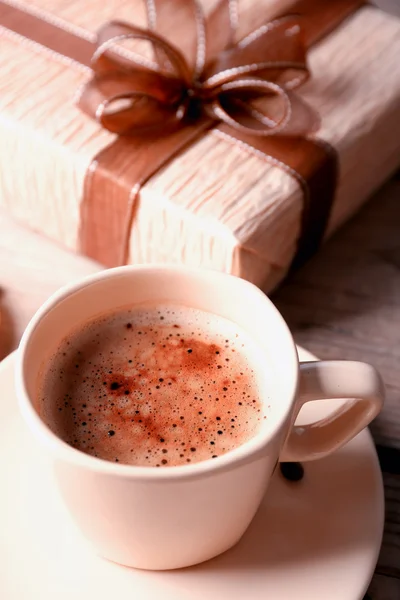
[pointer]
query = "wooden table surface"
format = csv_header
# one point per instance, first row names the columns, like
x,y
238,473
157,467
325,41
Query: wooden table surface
x,y
345,303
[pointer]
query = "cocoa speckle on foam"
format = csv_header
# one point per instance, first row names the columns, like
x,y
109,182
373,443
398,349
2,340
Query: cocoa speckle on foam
x,y
152,385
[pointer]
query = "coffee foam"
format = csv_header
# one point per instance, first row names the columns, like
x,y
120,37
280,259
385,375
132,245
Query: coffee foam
x,y
155,386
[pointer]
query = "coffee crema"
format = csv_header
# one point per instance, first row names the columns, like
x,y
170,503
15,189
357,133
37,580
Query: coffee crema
x,y
154,386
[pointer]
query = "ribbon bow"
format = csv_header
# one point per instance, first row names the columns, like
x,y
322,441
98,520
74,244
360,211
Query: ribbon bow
x,y
247,84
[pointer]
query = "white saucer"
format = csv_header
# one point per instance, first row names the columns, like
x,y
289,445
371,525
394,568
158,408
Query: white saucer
x,y
317,539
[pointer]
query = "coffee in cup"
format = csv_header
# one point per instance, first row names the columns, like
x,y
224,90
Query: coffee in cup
x,y
155,386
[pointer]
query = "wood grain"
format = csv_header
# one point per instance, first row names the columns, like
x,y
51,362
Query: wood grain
x,y
389,560
383,588
31,269
345,303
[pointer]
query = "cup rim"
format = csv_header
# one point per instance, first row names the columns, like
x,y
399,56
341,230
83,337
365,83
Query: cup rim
x,y
246,452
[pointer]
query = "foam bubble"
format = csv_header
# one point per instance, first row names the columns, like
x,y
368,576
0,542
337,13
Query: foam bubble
x,y
155,386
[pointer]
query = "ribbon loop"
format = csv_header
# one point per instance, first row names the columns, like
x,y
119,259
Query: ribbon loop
x,y
111,35
221,26
122,109
242,116
128,113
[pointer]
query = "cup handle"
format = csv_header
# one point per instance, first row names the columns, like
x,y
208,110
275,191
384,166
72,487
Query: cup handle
x,y
333,379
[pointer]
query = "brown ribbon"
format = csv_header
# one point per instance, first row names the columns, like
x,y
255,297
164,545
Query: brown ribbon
x,y
159,106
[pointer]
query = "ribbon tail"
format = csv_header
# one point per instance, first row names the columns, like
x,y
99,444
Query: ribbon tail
x,y
314,165
221,26
320,17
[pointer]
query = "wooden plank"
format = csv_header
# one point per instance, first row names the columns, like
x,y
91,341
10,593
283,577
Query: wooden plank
x,y
383,588
389,559
31,268
345,303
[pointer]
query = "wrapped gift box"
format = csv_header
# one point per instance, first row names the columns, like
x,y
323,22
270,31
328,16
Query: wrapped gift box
x,y
216,204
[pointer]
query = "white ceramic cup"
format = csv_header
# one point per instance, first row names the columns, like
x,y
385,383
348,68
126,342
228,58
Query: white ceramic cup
x,y
178,516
